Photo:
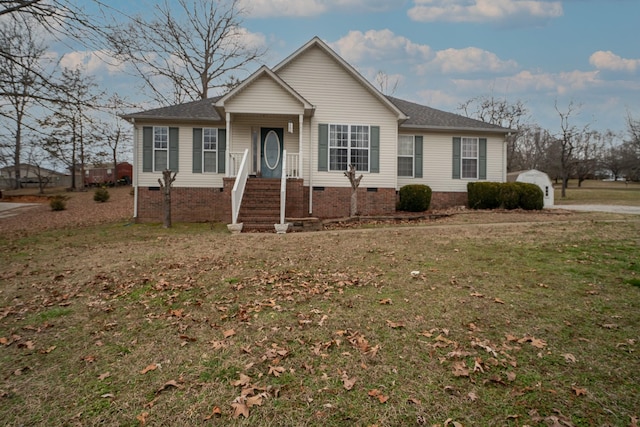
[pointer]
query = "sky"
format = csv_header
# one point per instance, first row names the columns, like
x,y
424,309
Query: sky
x,y
544,53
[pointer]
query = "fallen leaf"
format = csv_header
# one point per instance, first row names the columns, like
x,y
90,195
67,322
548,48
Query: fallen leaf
x,y
4,341
347,382
511,376
276,370
472,396
108,396
229,333
498,300
395,325
254,400
579,391
634,422
476,294
386,301
569,357
142,418
240,409
460,369
151,367
378,395
243,381
414,401
104,376
48,350
538,343
216,412
89,359
169,384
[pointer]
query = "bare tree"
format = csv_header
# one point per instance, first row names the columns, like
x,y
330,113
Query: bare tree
x,y
588,155
355,183
22,80
386,84
115,134
71,122
501,112
567,138
181,54
168,177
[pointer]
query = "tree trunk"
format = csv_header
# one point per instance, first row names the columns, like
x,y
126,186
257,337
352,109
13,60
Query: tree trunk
x,y
355,182
168,179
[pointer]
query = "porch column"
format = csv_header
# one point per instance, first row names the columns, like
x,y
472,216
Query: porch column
x,y
227,160
300,122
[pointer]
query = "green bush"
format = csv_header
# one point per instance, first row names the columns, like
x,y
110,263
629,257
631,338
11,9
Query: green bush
x,y
58,202
509,195
101,195
506,195
483,195
531,196
414,198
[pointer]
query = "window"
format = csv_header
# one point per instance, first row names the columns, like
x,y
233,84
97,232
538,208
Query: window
x,y
469,158
210,150
348,144
160,148
405,155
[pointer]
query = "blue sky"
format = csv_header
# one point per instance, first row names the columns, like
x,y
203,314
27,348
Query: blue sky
x,y
444,52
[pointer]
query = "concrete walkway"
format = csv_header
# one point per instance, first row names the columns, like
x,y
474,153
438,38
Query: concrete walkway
x,y
633,210
8,209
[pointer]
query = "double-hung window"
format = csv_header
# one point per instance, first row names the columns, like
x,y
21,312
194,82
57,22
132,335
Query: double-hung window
x,y
349,145
469,158
210,150
160,148
406,155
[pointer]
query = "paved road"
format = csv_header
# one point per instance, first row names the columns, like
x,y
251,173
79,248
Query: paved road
x,y
634,210
12,209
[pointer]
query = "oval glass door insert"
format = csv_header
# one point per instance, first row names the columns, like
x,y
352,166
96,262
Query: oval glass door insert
x,y
272,150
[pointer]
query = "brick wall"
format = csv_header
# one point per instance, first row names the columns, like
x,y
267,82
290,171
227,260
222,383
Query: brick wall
x,y
443,200
335,202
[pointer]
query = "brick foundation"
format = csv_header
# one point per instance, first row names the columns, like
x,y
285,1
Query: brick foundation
x,y
335,202
214,204
444,200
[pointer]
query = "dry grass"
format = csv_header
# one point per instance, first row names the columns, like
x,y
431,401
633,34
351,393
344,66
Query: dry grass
x,y
600,192
533,322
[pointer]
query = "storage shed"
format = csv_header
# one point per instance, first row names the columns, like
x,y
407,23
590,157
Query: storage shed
x,y
540,179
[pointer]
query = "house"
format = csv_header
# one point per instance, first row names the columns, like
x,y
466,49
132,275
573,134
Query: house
x,y
291,131
32,175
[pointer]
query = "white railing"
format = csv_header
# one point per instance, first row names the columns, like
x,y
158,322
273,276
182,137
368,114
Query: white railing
x,y
283,187
238,187
235,159
292,165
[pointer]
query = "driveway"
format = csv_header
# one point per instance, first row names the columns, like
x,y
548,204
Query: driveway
x,y
8,209
633,210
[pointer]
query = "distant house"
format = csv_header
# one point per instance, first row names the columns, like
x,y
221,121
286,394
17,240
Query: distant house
x,y
30,176
305,121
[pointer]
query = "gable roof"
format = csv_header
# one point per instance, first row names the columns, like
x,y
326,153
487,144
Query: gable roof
x,y
203,110
316,42
264,71
423,117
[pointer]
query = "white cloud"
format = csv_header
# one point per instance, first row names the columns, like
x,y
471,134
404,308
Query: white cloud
x,y
93,62
379,45
469,60
527,82
611,62
483,10
307,8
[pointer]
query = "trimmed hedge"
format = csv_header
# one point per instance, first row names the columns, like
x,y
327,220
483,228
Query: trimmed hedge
x,y
414,198
506,195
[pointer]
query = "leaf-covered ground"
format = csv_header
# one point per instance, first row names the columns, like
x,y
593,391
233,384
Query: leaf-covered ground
x,y
448,323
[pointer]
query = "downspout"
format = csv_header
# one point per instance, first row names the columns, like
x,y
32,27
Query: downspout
x,y
310,167
227,159
136,169
504,157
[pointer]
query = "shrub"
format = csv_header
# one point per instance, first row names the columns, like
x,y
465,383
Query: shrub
x,y
531,196
58,202
510,195
101,195
507,195
483,195
414,198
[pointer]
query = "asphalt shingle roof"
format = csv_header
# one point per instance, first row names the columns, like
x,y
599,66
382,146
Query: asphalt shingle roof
x,y
196,110
421,116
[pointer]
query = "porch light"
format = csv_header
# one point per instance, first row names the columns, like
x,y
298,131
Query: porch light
x,y
290,126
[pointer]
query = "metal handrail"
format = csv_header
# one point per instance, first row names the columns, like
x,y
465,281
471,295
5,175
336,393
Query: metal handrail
x,y
238,187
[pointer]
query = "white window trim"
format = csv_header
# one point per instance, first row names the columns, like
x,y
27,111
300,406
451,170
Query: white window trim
x,y
412,156
463,158
160,149
204,150
349,146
